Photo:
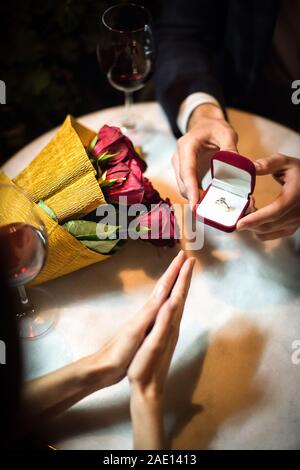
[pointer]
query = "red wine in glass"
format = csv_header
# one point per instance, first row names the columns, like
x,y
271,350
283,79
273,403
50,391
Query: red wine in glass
x,y
128,81
131,69
26,251
126,51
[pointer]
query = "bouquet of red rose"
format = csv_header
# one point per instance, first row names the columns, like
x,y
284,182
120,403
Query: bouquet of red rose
x,y
119,172
91,193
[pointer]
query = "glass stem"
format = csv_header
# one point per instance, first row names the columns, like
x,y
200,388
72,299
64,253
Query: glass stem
x,y
128,123
26,306
23,295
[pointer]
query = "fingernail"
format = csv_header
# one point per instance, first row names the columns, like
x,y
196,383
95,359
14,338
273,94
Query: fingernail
x,y
180,253
245,227
258,164
192,261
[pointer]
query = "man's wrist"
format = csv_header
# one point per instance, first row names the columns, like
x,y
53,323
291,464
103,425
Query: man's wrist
x,y
189,104
205,110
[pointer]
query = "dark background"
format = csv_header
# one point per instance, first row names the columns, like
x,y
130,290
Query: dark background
x,y
49,65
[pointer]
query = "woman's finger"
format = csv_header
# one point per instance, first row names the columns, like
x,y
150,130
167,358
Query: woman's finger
x,y
144,319
165,284
182,285
171,312
166,317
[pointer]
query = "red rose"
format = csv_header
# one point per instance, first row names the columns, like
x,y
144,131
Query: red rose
x,y
124,179
111,141
115,176
161,224
151,196
107,135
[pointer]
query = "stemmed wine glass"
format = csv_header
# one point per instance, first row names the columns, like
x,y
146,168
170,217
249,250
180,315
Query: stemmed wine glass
x,y
126,54
23,240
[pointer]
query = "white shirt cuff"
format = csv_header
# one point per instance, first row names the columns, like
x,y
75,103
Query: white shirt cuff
x,y
188,106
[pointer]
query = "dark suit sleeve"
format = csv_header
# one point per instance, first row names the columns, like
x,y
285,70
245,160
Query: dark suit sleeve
x,y
187,41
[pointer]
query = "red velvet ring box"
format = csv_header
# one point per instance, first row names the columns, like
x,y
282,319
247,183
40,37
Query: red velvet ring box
x,y
233,178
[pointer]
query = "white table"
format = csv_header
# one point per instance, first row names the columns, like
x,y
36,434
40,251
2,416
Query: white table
x,y
232,383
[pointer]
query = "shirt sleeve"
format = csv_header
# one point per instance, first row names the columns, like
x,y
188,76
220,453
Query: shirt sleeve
x,y
188,106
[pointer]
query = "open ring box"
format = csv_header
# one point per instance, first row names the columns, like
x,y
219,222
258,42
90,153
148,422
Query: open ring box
x,y
227,197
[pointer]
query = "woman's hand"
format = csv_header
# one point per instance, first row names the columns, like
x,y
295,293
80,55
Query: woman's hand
x,y
281,218
53,393
115,356
148,371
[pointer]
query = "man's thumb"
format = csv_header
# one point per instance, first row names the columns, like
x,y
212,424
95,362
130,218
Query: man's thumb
x,y
270,165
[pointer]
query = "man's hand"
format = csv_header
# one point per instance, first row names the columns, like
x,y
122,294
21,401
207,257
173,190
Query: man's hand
x,y
281,218
208,131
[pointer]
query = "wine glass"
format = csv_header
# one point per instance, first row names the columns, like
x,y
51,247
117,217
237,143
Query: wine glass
x,y
126,54
23,239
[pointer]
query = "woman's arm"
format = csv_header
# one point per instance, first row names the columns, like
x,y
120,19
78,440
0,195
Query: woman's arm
x,y
53,393
147,415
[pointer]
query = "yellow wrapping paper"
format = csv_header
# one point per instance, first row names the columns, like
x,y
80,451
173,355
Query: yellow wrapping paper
x,y
64,178
62,174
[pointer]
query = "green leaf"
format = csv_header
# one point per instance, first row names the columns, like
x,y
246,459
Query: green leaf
x,y
106,156
102,178
143,229
140,229
93,142
101,246
111,182
93,231
47,209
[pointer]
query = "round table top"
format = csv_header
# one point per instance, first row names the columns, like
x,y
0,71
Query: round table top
x,y
233,383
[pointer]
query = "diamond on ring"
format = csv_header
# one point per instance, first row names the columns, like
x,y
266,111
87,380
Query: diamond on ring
x,y
222,202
